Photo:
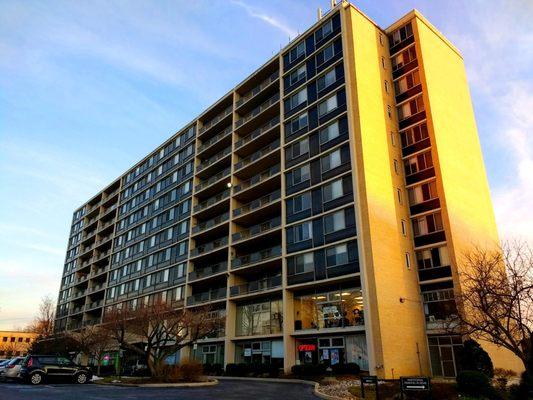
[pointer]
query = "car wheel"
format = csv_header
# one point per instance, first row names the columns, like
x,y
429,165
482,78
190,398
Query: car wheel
x,y
81,378
36,378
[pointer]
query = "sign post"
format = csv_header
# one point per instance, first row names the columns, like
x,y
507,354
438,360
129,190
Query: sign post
x,y
415,384
370,380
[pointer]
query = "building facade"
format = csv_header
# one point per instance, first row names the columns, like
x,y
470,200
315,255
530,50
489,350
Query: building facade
x,y
321,207
15,343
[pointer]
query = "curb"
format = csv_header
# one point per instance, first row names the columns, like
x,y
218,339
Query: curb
x,y
161,385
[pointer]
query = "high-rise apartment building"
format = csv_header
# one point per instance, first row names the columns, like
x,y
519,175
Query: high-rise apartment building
x,y
322,206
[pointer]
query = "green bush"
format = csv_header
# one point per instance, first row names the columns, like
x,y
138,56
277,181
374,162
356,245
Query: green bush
x,y
213,369
309,369
472,357
348,368
475,383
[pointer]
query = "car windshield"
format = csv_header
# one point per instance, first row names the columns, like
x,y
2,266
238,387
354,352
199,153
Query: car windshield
x,y
15,361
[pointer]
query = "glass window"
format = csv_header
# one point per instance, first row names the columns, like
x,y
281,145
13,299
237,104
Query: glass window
x,y
328,52
297,51
298,98
337,255
297,75
325,80
333,190
259,318
299,148
341,308
332,160
299,122
303,232
334,222
300,174
301,202
327,105
330,132
304,263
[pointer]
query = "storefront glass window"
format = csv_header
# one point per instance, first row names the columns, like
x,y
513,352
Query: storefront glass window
x,y
260,318
329,310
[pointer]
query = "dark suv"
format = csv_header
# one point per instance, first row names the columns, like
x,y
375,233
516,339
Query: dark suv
x,y
36,368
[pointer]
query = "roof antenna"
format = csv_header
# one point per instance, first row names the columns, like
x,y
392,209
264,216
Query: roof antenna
x,y
319,13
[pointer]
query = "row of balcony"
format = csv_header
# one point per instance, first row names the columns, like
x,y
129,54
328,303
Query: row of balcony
x,y
258,110
210,223
256,230
257,154
258,89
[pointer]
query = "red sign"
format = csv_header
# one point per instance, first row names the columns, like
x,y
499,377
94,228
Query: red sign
x,y
307,347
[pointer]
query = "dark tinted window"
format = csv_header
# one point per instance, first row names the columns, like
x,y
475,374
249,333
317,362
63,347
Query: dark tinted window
x,y
48,360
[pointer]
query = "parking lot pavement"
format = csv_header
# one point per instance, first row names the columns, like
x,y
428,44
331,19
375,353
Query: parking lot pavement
x,y
225,390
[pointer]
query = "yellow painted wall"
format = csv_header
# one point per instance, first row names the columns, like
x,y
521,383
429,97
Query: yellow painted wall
x,y
394,327
463,189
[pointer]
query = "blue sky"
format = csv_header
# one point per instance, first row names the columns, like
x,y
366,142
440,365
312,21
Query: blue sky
x,y
88,88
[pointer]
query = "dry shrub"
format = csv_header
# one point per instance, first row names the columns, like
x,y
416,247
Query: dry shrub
x,y
191,371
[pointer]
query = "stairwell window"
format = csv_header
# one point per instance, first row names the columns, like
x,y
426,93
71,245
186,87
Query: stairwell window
x,y
427,224
407,82
418,163
402,34
424,192
411,107
403,58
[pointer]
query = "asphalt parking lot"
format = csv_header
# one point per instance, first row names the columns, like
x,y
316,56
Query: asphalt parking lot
x,y
226,389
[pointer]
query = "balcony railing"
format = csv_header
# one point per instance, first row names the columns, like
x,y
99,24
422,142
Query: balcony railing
x,y
258,229
215,120
95,304
207,247
110,222
258,110
254,180
256,286
256,257
258,203
213,179
204,297
214,139
258,132
210,223
211,160
258,89
208,271
212,200
257,155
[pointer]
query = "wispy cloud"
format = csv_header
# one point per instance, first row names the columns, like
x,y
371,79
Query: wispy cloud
x,y
263,16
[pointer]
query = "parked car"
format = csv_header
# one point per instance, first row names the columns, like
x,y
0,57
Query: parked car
x,y
37,368
12,368
3,364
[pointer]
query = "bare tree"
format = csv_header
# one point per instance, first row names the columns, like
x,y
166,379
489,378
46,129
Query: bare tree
x,y
94,341
157,331
43,323
496,299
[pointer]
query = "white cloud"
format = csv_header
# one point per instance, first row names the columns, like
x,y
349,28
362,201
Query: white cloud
x,y
498,59
270,20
